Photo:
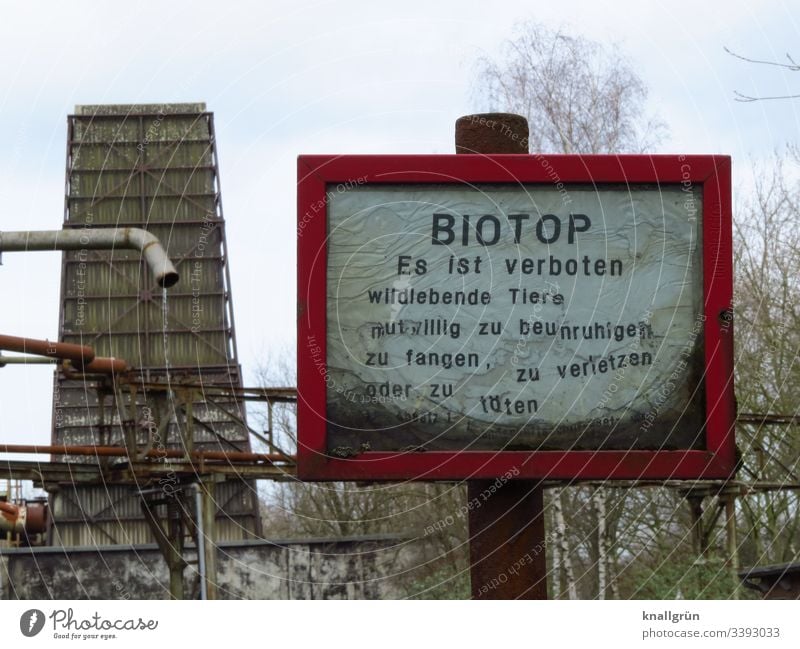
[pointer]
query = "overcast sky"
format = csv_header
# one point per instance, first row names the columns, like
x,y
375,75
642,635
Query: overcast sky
x,y
285,78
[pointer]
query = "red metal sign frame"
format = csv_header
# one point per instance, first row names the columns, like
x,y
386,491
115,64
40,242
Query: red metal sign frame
x,y
320,174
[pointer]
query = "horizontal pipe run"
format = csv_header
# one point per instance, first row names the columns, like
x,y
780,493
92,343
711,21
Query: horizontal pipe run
x,y
100,365
26,360
119,451
30,518
276,395
77,359
97,239
12,518
78,354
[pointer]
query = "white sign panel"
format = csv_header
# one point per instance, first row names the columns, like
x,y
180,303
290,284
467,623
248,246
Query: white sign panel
x,y
514,317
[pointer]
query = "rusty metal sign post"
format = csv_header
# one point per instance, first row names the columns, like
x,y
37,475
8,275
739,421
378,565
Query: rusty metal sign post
x,y
507,531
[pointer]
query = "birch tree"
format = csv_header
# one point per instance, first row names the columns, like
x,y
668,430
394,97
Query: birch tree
x,y
579,96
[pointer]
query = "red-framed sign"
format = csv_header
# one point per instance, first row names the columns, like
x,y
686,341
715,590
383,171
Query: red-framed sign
x,y
534,316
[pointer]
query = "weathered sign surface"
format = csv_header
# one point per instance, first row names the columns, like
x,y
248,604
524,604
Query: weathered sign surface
x,y
470,315
521,317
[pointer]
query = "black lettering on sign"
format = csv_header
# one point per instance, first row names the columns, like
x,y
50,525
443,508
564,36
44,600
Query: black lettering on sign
x,y
488,230
377,359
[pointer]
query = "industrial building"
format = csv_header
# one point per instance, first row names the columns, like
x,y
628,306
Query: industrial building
x,y
151,468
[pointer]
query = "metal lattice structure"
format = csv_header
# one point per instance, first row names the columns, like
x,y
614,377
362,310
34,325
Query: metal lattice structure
x,y
153,167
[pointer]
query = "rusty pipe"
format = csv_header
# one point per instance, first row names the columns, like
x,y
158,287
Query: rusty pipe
x,y
12,518
78,354
36,518
28,518
100,365
26,360
97,239
119,451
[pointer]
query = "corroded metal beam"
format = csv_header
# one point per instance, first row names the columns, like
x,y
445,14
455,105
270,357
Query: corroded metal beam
x,y
119,451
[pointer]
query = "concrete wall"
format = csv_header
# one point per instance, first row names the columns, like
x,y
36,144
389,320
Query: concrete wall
x,y
357,568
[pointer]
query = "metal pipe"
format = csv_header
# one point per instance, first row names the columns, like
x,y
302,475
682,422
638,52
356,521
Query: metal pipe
x,y
81,356
26,360
209,504
30,518
37,514
201,540
78,354
100,365
97,239
511,524
119,451
12,518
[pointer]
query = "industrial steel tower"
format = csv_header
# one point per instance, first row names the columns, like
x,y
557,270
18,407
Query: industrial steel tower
x,y
153,167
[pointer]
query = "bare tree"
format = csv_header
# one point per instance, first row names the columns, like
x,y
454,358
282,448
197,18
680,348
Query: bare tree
x,y
767,256
791,66
425,515
578,96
